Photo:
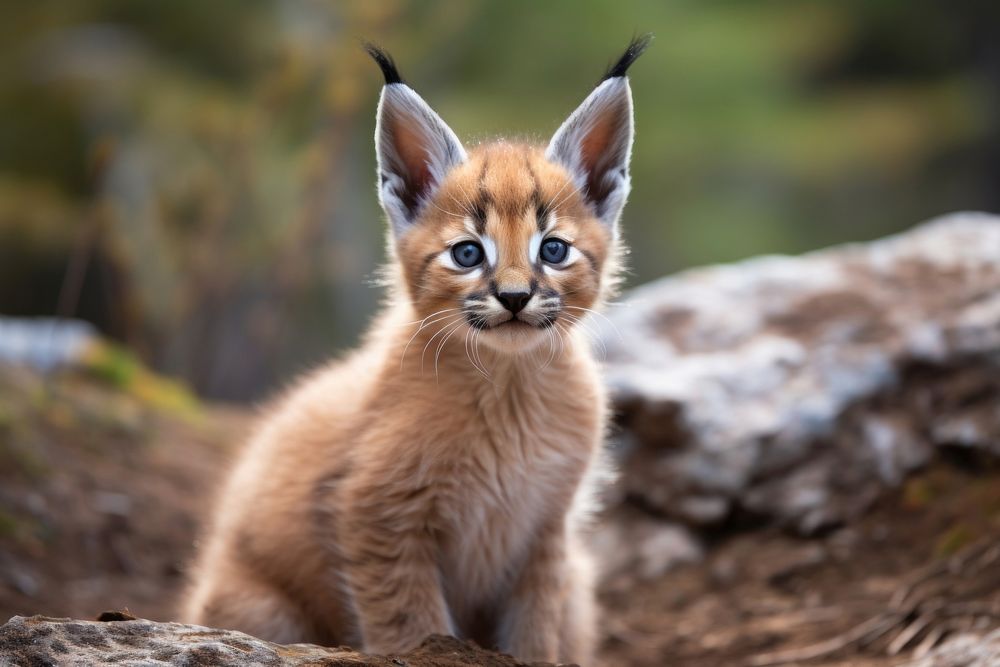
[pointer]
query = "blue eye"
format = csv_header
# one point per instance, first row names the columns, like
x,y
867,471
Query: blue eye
x,y
554,251
467,254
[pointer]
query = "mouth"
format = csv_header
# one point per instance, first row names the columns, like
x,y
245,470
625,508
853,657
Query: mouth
x,y
513,323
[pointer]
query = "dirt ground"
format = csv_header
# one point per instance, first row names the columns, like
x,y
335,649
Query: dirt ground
x,y
101,496
924,561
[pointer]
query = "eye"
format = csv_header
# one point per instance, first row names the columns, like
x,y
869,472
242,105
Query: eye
x,y
467,254
554,251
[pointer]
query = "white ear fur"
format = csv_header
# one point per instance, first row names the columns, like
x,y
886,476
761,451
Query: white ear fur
x,y
595,145
415,149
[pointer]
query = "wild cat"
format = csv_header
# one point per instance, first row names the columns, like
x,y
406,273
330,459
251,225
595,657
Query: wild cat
x,y
433,481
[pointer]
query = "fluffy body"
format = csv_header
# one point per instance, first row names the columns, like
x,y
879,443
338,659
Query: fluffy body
x,y
437,479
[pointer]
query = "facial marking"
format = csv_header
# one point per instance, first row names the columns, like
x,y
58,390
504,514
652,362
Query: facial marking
x,y
535,243
550,223
511,289
490,248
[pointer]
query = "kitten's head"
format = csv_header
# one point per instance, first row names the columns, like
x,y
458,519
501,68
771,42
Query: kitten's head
x,y
513,238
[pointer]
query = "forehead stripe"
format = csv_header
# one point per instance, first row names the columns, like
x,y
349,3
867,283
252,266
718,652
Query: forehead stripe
x,y
483,203
541,212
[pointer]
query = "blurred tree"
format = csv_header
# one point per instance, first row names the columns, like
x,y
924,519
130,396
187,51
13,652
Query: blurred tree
x,y
232,226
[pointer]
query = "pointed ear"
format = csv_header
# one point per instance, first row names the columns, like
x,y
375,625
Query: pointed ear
x,y
415,147
595,142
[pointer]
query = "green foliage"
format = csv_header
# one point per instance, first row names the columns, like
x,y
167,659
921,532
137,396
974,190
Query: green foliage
x,y
123,371
116,366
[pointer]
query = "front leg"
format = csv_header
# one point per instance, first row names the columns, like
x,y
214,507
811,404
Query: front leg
x,y
533,617
392,573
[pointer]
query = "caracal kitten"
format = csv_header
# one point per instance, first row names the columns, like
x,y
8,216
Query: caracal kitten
x,y
436,480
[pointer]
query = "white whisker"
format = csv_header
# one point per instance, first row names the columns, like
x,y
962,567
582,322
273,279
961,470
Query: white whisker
x,y
430,340
600,314
606,319
454,215
569,194
551,206
478,354
465,206
468,354
552,349
590,334
402,356
562,336
437,355
406,324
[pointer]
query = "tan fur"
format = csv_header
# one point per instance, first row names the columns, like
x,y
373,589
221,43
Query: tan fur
x,y
432,481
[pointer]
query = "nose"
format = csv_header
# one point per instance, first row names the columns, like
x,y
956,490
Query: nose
x,y
513,301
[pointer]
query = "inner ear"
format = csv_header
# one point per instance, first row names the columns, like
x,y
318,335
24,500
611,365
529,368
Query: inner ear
x,y
413,163
601,151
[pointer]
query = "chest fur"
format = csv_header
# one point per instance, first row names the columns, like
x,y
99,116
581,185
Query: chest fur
x,y
517,465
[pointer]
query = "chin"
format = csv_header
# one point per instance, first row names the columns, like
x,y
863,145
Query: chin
x,y
515,337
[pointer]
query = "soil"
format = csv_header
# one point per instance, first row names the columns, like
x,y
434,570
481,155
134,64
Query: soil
x,y
102,495
761,593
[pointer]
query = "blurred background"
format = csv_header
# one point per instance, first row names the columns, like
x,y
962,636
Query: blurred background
x,y
196,178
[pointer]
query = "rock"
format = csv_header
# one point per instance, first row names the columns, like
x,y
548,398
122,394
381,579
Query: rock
x,y
798,388
965,650
50,641
44,343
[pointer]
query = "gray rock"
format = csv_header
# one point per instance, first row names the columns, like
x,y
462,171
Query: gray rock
x,y
798,388
44,343
61,641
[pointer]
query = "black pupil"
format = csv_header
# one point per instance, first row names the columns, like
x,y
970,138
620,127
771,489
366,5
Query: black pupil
x,y
467,254
554,251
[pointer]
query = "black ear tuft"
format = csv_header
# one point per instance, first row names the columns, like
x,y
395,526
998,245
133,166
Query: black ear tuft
x,y
385,63
632,53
